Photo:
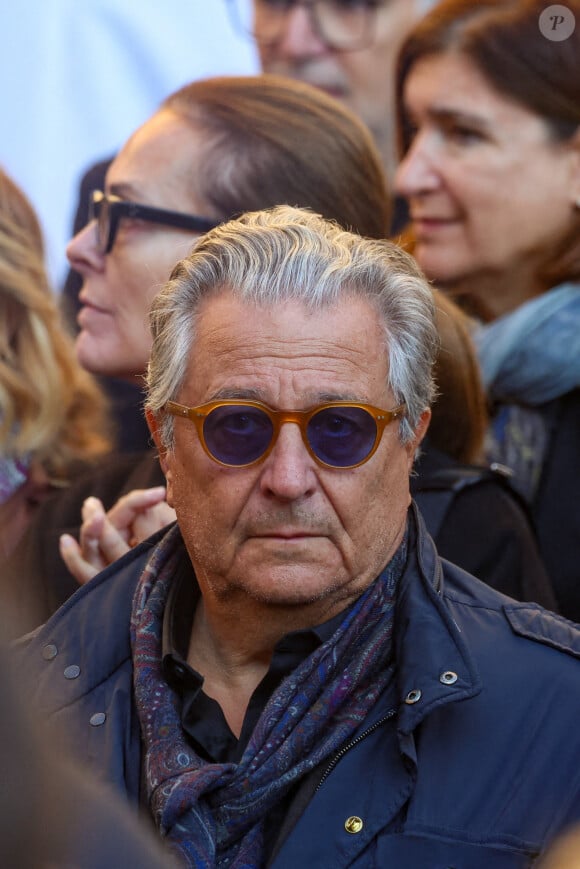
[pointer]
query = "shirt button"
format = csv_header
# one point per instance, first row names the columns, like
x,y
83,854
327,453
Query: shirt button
x,y
413,696
72,672
448,677
49,652
97,719
354,824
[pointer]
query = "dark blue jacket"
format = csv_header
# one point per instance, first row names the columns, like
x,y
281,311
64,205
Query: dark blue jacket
x,y
471,760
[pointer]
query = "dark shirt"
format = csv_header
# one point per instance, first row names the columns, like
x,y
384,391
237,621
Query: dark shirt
x,y
201,716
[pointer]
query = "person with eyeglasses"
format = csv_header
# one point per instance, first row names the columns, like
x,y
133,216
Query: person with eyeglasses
x,y
289,675
348,48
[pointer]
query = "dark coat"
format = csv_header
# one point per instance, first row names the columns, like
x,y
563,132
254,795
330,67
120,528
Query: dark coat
x,y
480,523
471,758
556,507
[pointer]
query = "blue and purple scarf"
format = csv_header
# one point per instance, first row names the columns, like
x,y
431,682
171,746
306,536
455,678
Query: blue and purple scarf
x,y
212,814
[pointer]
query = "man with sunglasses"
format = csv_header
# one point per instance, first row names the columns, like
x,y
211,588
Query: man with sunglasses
x,y
289,675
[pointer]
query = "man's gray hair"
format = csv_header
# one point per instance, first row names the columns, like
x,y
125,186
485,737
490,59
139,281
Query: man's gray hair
x,y
266,258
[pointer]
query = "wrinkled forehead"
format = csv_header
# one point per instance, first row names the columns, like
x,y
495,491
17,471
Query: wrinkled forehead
x,y
238,341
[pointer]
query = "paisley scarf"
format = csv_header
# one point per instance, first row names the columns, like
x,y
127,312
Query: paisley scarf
x,y
213,814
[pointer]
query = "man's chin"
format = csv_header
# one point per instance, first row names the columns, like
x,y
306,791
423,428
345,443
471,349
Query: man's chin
x,y
292,585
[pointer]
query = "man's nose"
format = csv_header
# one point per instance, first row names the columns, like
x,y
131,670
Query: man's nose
x,y
299,37
289,473
83,250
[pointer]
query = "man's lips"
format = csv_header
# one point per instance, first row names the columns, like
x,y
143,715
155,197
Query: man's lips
x,y
287,535
284,534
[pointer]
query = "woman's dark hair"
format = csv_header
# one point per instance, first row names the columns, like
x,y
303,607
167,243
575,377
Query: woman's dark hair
x,y
272,141
502,38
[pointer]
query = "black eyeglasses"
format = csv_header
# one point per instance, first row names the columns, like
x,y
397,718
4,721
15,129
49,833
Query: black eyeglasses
x,y
109,210
242,433
345,25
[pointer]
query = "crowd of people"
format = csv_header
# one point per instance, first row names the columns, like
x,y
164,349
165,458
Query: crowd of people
x,y
288,476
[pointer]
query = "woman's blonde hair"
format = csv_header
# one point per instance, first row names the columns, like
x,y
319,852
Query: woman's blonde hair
x,y
50,408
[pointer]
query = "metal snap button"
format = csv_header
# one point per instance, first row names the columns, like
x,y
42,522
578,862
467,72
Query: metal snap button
x,y
49,652
413,696
354,824
72,672
97,719
448,677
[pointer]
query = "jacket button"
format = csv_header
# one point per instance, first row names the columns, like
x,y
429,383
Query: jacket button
x,y
448,677
354,824
49,652
413,696
97,719
72,672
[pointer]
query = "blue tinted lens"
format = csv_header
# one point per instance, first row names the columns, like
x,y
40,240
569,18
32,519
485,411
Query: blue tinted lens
x,y
342,436
237,434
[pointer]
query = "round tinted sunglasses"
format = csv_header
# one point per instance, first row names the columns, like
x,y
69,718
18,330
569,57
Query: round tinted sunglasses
x,y
241,433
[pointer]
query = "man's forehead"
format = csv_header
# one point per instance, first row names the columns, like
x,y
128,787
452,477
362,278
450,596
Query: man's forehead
x,y
285,354
236,336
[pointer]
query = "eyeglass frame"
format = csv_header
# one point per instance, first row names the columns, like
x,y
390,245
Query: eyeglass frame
x,y
199,414
310,5
122,209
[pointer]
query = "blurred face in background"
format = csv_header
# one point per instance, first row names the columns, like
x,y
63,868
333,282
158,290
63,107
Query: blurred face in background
x,y
361,77
491,191
118,286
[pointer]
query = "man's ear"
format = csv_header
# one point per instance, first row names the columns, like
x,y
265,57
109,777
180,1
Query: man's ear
x,y
420,432
153,424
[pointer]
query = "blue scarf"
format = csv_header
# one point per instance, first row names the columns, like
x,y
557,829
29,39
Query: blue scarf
x,y
213,814
532,354
529,357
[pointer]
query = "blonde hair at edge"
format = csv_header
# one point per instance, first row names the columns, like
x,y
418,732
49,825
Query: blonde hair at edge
x,y
50,408
268,257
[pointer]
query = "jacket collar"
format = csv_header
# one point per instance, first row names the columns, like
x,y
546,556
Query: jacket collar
x,y
434,663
